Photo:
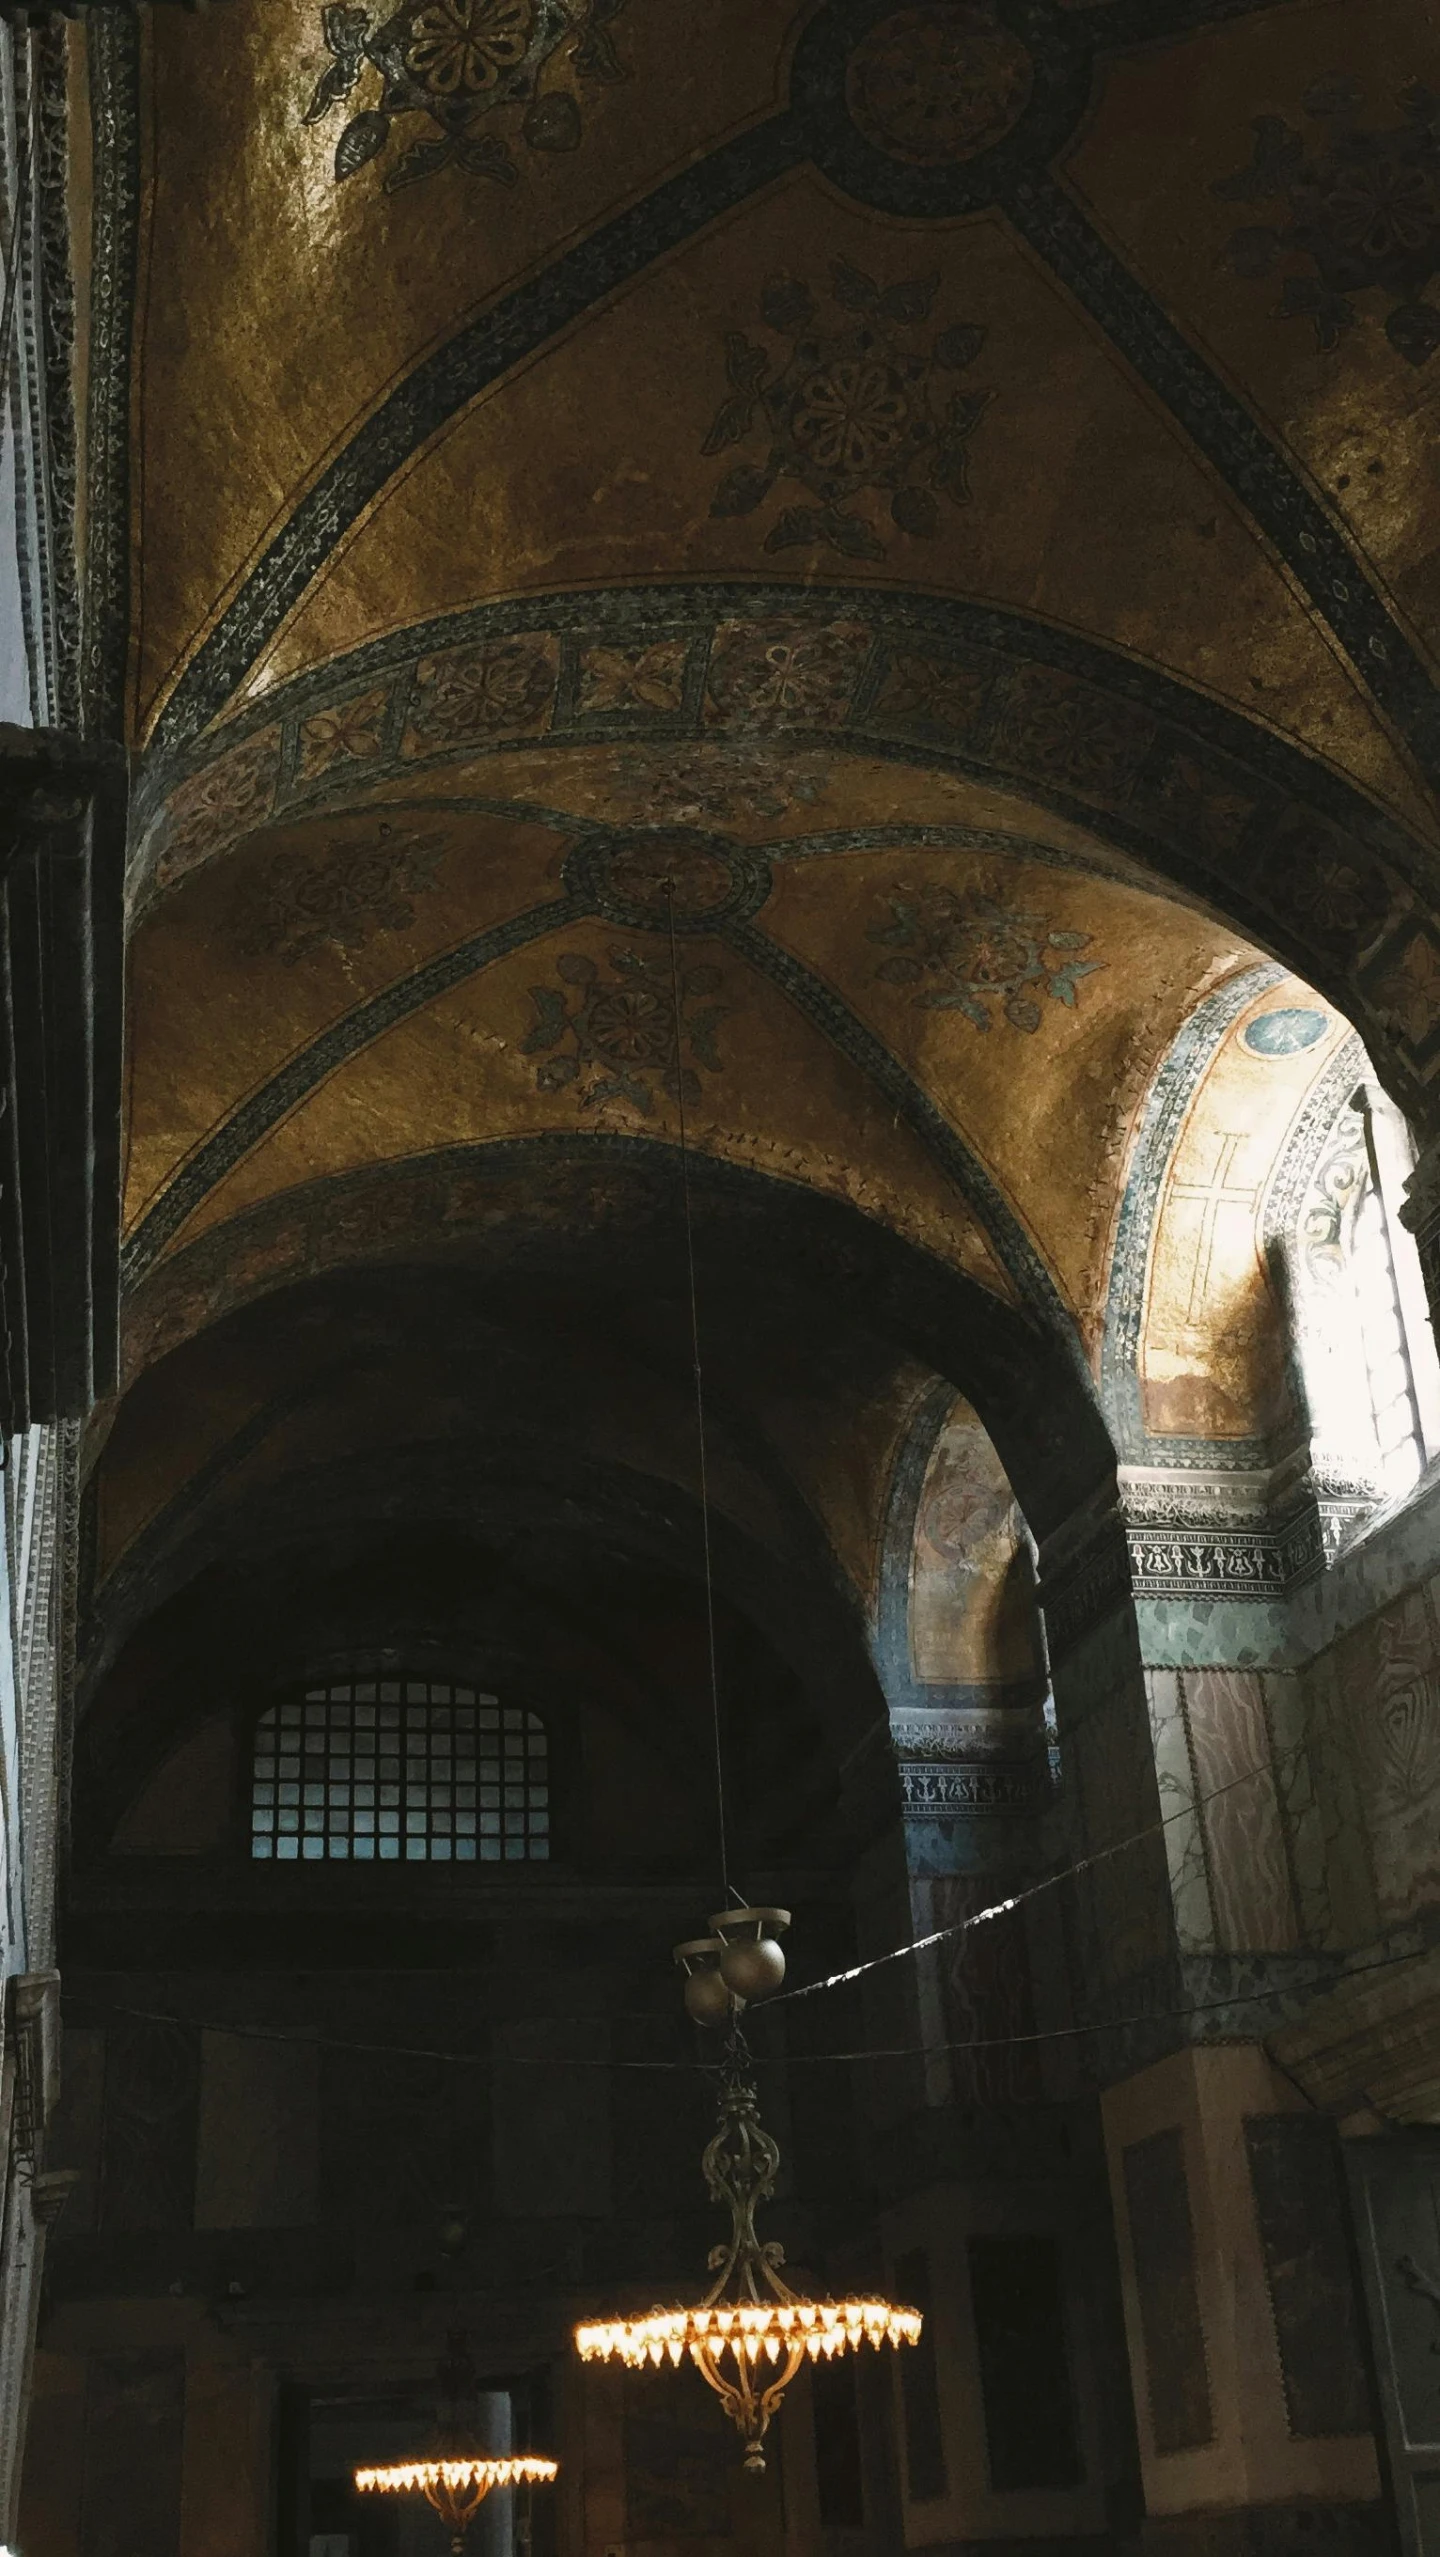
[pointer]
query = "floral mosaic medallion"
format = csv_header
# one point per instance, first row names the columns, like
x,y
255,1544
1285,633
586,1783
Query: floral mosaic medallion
x,y
965,1507
208,812
338,898
1359,206
776,673
499,689
656,876
939,83
614,1038
457,64
966,952
862,403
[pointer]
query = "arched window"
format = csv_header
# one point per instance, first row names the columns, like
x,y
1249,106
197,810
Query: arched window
x,y
410,1770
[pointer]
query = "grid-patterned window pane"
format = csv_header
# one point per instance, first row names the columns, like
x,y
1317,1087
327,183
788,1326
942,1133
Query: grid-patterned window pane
x,y
400,1771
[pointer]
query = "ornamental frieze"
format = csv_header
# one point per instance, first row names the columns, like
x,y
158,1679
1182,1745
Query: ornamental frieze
x,y
934,1792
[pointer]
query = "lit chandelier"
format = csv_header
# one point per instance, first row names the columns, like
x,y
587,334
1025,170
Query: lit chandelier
x,y
456,2479
751,2332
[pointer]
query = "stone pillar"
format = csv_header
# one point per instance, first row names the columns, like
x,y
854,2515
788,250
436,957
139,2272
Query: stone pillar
x,y
1242,2317
1118,1910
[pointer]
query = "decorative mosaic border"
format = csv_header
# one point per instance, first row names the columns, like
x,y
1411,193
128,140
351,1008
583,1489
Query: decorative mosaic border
x,y
113,42
47,309
1193,792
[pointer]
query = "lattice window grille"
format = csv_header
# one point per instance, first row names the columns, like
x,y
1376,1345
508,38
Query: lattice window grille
x,y
389,1771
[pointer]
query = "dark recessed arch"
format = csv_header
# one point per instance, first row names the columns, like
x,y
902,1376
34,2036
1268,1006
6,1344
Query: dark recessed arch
x,y
605,1211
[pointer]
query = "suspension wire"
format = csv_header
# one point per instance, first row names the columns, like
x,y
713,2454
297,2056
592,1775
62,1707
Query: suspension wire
x,y
1033,1890
300,2036
699,1400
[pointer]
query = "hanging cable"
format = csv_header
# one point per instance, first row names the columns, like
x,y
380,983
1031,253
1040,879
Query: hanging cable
x,y
566,2057
699,1397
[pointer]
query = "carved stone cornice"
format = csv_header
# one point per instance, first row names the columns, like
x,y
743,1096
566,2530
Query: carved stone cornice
x,y
956,1733
932,1791
957,1759
1239,1535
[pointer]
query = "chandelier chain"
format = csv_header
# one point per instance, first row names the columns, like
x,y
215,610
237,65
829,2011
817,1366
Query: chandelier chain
x,y
699,1396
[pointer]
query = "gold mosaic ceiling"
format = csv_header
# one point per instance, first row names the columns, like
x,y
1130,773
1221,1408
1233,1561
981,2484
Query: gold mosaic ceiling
x,y
945,485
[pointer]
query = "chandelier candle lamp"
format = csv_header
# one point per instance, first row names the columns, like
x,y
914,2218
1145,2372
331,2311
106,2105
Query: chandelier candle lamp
x,y
750,2334
453,2478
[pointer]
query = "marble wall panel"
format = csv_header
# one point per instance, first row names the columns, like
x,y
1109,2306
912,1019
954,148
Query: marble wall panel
x,y
1184,1843
987,2010
1162,2239
1245,1854
1388,1673
1303,2219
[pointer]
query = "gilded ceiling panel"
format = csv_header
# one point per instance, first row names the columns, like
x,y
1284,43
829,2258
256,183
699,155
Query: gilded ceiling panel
x,y
279,301
972,1616
1276,184
1013,994
575,1032
1212,1348
163,1440
260,954
703,424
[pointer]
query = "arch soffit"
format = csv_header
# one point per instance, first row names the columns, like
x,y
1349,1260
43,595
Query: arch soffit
x,y
1206,802
1188,794
606,1205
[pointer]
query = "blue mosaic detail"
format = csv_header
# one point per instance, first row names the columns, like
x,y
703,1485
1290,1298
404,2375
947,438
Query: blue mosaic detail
x,y
1286,1033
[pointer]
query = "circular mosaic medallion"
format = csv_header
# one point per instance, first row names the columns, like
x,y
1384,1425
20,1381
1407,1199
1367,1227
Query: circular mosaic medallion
x,y
640,875
937,84
1286,1033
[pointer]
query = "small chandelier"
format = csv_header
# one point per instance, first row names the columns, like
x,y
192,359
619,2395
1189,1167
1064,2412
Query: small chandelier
x,y
455,2479
751,2332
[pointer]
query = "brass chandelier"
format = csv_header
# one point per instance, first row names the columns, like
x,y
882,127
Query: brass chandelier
x,y
455,2477
750,2334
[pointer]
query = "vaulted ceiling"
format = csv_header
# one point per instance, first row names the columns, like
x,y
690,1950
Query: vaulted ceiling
x,y
908,533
